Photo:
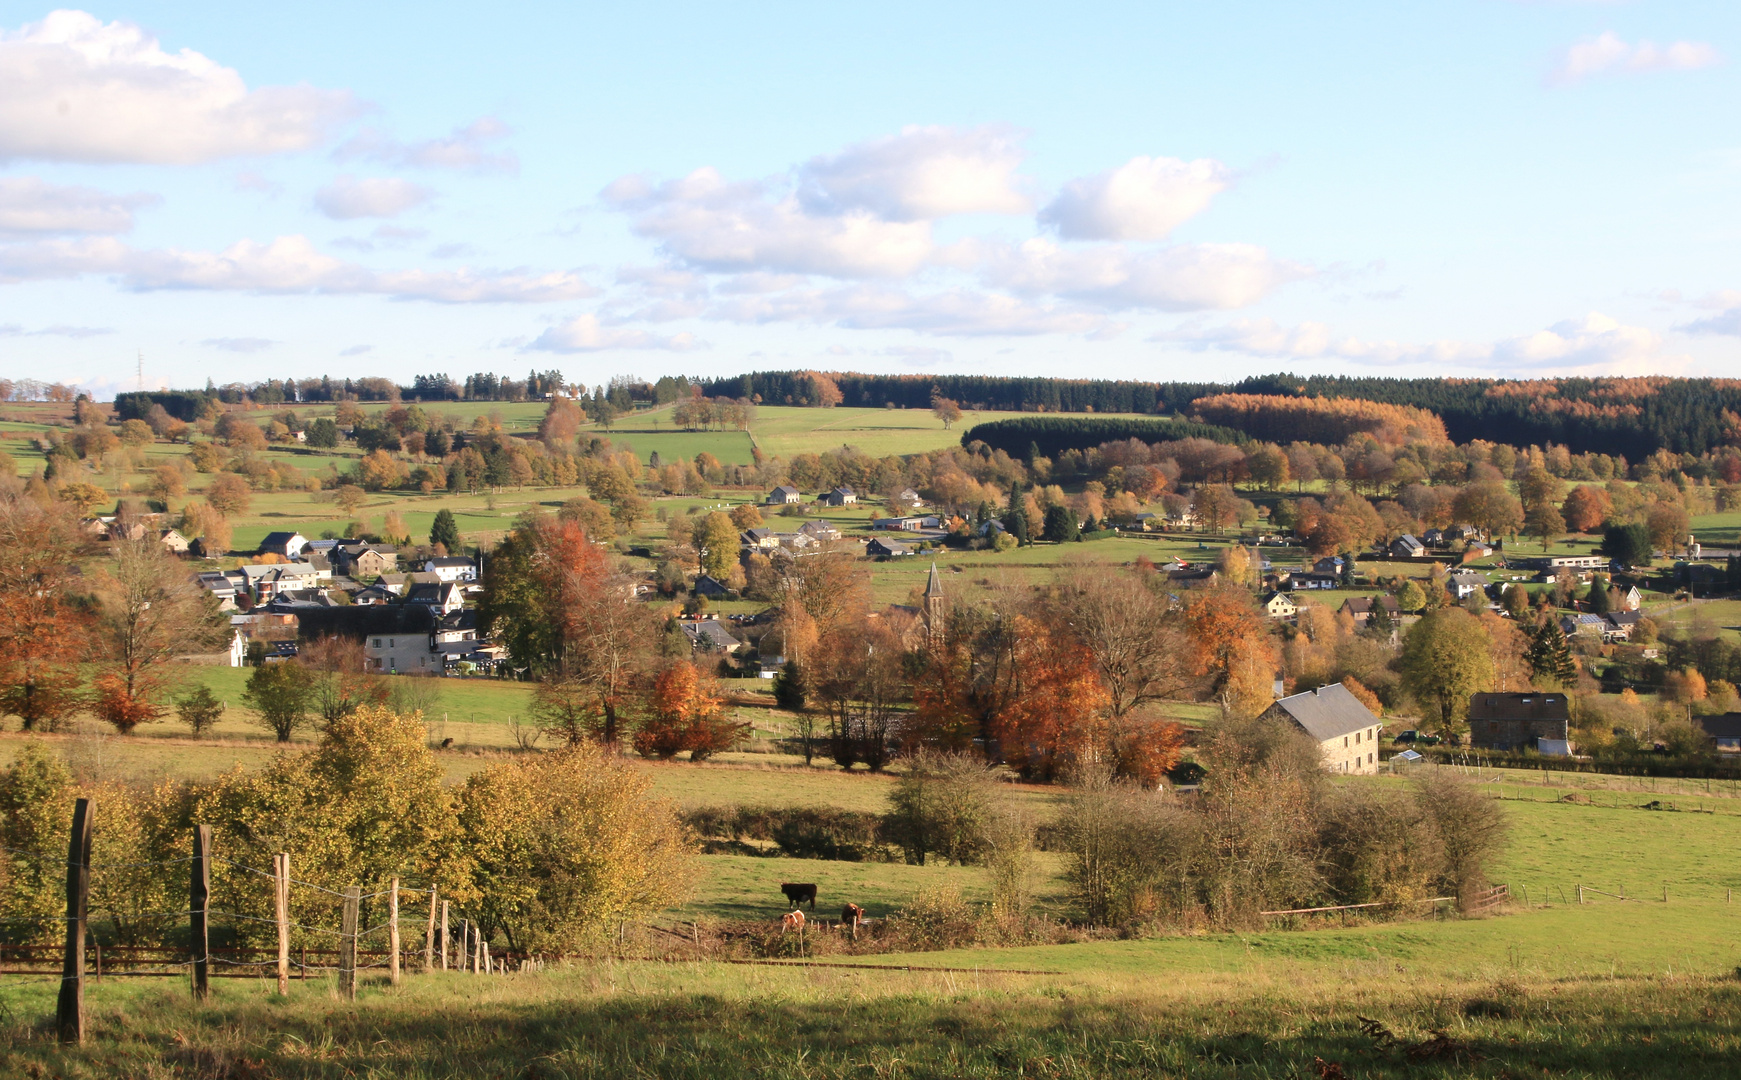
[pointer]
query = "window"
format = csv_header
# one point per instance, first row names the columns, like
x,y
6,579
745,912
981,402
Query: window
x,y
1357,738
377,643
1344,741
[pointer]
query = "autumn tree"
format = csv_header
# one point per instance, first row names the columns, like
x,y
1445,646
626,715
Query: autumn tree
x,y
200,520
1446,658
148,612
43,627
562,848
281,696
554,601
1586,508
1129,625
228,494
1490,506
946,410
561,422
684,711
339,680
859,680
1668,524
1544,522
746,516
1230,646
716,539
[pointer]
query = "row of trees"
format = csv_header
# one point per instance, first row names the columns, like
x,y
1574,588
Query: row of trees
x,y
545,853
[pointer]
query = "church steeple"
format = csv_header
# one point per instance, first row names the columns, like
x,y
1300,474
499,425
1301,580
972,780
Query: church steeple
x,y
934,605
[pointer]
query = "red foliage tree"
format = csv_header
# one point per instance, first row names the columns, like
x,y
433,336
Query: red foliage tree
x,y
43,634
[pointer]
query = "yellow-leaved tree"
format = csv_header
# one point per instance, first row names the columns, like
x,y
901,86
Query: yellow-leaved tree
x,y
364,806
566,845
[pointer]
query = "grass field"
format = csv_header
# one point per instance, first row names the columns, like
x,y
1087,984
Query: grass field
x,y
1607,989
1555,993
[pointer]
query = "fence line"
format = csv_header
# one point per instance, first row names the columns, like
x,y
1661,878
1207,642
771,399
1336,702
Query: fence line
x,y
80,953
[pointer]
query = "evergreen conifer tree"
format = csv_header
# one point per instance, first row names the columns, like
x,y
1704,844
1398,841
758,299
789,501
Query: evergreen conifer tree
x,y
1549,656
1016,521
445,531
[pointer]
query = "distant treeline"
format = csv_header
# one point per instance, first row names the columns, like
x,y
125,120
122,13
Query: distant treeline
x,y
1052,435
1634,417
975,392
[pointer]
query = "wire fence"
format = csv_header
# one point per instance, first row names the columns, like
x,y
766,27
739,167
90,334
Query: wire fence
x,y
352,947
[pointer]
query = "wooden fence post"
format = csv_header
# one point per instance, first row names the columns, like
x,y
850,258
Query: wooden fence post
x,y
199,902
281,901
444,935
393,932
429,936
348,944
477,949
70,1012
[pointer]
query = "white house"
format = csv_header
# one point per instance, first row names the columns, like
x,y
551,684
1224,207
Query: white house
x,y
1277,606
287,544
452,568
1345,730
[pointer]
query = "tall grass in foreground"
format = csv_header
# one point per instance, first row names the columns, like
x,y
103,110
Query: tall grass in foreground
x,y
714,1022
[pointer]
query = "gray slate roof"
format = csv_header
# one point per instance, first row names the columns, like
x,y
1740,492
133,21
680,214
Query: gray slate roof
x,y
1328,712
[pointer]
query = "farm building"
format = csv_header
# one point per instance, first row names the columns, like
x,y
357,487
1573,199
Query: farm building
x,y
1724,731
1517,721
784,495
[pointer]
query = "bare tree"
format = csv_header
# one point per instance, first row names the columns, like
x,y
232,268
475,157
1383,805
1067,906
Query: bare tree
x,y
1128,623
339,679
150,611
610,643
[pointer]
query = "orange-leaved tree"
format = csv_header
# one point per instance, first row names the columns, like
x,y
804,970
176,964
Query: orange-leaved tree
x,y
685,712
1057,715
42,630
1231,647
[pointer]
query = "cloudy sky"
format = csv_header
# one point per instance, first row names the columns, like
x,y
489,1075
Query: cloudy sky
x,y
1147,190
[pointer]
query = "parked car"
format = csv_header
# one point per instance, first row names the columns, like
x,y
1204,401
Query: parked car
x,y
1411,737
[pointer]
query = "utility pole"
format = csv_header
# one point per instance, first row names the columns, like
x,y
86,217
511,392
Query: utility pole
x,y
140,372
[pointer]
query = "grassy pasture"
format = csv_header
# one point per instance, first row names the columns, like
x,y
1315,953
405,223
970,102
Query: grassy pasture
x,y
1555,993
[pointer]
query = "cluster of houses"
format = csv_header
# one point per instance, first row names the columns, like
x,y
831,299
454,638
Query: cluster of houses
x,y
419,619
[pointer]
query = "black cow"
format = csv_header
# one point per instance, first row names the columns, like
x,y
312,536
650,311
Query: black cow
x,y
797,894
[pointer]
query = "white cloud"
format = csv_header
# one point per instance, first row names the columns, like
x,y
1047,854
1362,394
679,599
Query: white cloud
x,y
288,264
1726,322
465,149
922,174
1188,277
585,333
14,330
239,344
954,313
919,355
714,225
1608,54
1143,199
73,88
1595,342
28,205
347,197
356,350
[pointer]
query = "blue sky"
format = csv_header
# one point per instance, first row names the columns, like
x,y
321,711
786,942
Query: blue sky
x,y
1157,191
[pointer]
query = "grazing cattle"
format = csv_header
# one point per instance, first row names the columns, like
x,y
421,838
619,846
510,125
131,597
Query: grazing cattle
x,y
792,920
797,894
851,915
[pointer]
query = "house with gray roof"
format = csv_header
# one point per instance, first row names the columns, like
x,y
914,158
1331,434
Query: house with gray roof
x,y
1345,730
